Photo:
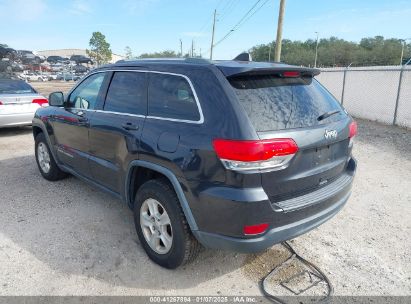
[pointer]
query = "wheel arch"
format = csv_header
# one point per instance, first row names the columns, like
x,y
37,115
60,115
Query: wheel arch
x,y
36,130
41,128
172,179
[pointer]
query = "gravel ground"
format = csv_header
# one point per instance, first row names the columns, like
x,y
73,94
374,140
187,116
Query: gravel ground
x,y
68,238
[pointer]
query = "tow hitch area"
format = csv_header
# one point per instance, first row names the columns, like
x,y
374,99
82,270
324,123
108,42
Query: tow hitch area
x,y
296,280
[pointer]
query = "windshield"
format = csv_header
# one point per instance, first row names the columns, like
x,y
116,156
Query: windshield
x,y
274,103
15,87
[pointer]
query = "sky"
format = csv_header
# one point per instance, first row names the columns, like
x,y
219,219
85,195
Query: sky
x,y
157,25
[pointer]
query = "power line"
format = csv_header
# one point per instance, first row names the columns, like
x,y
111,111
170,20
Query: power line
x,y
238,23
243,20
249,17
228,8
210,18
208,21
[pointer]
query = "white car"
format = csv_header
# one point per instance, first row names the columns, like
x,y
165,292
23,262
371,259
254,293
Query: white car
x,y
33,77
52,76
18,103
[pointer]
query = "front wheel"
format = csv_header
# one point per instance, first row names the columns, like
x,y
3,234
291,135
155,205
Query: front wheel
x,y
161,225
45,161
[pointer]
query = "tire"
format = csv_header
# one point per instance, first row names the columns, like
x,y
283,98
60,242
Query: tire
x,y
53,173
184,247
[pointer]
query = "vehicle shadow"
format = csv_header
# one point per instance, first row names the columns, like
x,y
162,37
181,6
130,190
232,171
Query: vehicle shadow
x,y
7,132
74,228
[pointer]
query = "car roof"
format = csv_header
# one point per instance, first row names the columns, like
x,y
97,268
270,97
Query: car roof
x,y
227,67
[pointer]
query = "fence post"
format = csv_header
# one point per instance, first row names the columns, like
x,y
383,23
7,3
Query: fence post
x,y
394,122
343,88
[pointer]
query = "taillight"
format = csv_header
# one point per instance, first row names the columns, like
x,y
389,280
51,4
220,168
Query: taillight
x,y
291,74
242,155
353,129
1,103
255,229
42,102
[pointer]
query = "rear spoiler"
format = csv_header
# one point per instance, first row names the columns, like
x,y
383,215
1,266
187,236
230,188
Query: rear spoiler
x,y
280,70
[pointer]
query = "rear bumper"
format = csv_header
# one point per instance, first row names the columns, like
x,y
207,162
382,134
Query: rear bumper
x,y
14,120
307,212
274,236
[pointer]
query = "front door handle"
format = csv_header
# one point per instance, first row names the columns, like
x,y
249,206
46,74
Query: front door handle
x,y
129,126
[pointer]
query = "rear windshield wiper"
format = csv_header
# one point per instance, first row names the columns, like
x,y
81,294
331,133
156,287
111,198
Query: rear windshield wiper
x,y
327,114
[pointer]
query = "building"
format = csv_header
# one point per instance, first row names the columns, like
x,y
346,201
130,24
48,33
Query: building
x,y
69,52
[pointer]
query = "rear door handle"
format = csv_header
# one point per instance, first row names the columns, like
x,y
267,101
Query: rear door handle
x,y
129,126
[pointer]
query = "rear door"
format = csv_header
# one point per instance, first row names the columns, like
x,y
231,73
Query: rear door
x,y
298,108
71,123
116,128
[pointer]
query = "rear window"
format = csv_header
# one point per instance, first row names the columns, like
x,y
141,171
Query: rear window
x,y
170,96
274,103
15,87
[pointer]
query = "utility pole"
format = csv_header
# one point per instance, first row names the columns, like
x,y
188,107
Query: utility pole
x,y
402,51
404,43
269,53
192,47
212,36
181,48
279,31
316,51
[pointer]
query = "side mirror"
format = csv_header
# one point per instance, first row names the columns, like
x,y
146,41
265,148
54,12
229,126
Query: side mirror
x,y
56,99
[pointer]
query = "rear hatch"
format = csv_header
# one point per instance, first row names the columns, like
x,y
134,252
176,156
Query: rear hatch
x,y
292,104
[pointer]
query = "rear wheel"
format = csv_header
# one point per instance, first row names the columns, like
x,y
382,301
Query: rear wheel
x,y
161,225
45,161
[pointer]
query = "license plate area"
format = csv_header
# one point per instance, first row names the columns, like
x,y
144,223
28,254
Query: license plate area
x,y
325,154
16,108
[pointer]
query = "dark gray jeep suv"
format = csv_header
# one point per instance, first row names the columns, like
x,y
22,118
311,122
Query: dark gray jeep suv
x,y
227,154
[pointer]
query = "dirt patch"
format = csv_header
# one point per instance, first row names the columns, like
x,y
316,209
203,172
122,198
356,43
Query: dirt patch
x,y
45,88
258,265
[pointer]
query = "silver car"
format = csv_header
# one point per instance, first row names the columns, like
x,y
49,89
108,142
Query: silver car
x,y
18,103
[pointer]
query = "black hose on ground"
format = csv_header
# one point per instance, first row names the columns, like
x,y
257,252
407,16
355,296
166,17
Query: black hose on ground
x,y
309,265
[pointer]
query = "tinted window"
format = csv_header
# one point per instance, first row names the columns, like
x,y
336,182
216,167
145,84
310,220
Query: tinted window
x,y
15,87
274,103
171,96
85,95
127,93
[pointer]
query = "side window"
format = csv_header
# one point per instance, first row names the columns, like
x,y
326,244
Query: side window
x,y
170,96
127,93
85,95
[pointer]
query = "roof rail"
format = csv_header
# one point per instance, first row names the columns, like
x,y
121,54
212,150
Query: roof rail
x,y
188,60
197,60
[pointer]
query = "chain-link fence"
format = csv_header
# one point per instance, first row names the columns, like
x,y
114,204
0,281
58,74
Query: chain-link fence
x,y
376,93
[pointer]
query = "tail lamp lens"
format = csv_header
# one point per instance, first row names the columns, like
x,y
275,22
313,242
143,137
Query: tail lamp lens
x,y
41,101
242,155
255,229
353,129
291,74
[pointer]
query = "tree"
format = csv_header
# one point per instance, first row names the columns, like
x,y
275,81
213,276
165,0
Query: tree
x,y
99,48
163,54
337,52
128,52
